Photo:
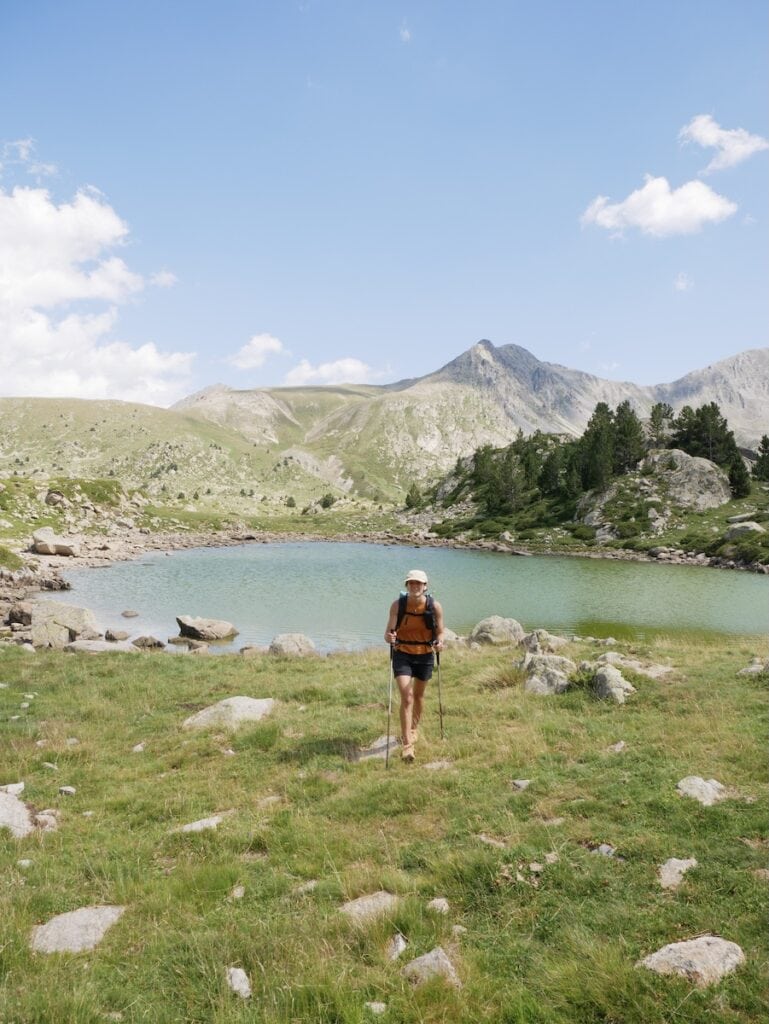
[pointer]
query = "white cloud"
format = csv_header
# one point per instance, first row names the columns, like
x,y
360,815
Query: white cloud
x,y
733,144
53,256
256,351
658,210
164,279
683,282
405,33
342,371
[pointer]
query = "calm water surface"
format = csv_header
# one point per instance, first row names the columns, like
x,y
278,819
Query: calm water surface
x,y
339,594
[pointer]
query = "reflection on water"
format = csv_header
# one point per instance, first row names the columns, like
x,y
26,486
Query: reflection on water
x,y
339,594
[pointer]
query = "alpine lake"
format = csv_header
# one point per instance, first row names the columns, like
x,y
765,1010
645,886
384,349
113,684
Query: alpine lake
x,y
338,594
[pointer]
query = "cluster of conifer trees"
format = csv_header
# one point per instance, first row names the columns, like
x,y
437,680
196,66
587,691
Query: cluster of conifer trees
x,y
614,441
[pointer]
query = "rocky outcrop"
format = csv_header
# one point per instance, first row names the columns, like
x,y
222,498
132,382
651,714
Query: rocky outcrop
x,y
547,674
55,624
690,481
45,542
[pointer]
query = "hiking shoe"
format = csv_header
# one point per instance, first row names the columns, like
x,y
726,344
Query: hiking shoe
x,y
407,754
414,734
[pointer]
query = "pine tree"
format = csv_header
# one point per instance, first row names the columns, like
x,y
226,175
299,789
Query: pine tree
x,y
739,478
628,439
549,480
660,421
761,467
414,496
597,449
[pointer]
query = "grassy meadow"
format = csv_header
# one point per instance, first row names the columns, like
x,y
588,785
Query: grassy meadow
x,y
548,946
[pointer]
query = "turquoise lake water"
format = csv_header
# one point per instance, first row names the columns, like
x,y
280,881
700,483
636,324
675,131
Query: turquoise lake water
x,y
339,594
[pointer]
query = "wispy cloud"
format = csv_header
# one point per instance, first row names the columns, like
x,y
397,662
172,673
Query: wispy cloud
x,y
256,352
404,32
657,209
20,155
164,279
61,284
732,145
683,282
341,371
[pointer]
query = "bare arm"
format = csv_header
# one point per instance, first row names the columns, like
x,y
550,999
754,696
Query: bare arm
x,y
439,626
390,635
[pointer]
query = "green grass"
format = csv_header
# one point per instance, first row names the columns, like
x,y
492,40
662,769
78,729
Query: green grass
x,y
563,951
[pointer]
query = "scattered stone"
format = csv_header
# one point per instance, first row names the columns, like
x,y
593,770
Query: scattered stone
x,y
72,741
608,682
270,801
205,629
703,961
618,747
553,822
651,671
24,864
75,931
376,749
672,872
366,908
539,641
756,668
762,873
376,1008
743,530
87,814
497,631
434,964
14,788
67,790
458,930
148,643
605,849
115,635
230,713
291,645
238,981
437,766
551,858
47,820
203,824
99,647
440,905
708,793
536,868
520,784
490,841
306,887
138,749
50,766
130,614
396,946
15,815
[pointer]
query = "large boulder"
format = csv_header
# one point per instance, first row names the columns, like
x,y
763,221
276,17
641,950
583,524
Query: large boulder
x,y
547,674
691,481
744,530
45,542
498,632
609,683
205,629
55,624
231,713
292,645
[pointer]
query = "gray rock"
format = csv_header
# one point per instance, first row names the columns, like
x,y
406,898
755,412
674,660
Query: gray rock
x,y
367,908
743,530
376,1008
67,790
148,643
437,766
755,668
434,964
14,788
693,482
539,641
21,612
55,624
231,713
396,946
707,793
45,542
440,905
672,872
15,816
547,674
76,931
238,981
619,660
704,960
130,614
203,824
115,635
100,647
205,629
745,517
47,820
609,683
292,645
497,631
521,784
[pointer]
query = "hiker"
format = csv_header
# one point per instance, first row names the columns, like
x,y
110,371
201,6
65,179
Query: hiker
x,y
414,631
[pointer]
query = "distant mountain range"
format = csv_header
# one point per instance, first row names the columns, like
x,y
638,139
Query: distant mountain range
x,y
373,440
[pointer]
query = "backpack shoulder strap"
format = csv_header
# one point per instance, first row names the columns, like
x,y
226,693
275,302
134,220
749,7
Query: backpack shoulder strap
x,y
402,598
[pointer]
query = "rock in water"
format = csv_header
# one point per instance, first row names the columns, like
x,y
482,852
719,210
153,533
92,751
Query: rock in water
x,y
205,629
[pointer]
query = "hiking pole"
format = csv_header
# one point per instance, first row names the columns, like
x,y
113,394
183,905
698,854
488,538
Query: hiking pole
x,y
389,709
440,698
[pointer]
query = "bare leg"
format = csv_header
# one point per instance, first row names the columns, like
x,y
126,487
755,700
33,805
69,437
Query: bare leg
x,y
419,687
406,709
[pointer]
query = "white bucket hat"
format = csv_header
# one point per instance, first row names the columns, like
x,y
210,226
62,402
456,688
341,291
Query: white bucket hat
x,y
417,575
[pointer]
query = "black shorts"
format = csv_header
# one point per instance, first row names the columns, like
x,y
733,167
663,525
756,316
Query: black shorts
x,y
420,666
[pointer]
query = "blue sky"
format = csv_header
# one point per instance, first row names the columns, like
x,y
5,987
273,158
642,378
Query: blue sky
x,y
308,191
